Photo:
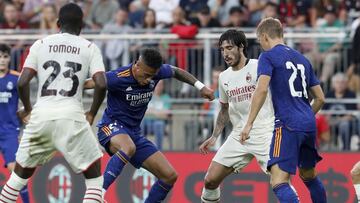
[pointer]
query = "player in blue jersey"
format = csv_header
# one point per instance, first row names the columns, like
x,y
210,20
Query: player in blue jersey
x,y
291,80
9,122
130,89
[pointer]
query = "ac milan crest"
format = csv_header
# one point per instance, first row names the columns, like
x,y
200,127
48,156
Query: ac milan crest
x,y
248,77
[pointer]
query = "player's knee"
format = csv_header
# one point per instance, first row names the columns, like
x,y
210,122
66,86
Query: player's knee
x,y
308,173
355,173
10,166
129,149
171,177
210,182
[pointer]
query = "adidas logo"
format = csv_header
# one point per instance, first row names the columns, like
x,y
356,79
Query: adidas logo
x,y
129,88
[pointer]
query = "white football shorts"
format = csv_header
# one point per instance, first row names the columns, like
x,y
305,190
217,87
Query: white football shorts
x,y
74,139
235,155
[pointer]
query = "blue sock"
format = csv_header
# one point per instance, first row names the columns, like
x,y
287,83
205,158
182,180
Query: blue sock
x,y
114,168
285,193
317,191
158,192
24,194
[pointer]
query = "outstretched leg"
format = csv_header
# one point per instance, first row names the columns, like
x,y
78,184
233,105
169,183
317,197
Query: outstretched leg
x,y
123,148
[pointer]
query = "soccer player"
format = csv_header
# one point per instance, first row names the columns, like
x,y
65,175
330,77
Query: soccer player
x,y
9,122
291,80
61,62
236,86
130,89
355,175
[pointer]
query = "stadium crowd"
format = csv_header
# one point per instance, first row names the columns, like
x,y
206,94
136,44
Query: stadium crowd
x,y
187,17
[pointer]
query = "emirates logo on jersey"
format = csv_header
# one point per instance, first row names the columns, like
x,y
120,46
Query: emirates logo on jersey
x,y
248,77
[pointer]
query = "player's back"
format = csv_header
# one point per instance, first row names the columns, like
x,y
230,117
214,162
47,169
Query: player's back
x,y
291,78
63,62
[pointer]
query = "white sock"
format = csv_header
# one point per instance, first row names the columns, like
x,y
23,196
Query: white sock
x,y
357,190
210,196
94,192
11,189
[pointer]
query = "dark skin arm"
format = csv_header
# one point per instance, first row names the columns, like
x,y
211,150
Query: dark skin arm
x,y
24,93
99,95
186,77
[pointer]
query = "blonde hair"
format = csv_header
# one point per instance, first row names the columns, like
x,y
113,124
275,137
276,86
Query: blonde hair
x,y
270,26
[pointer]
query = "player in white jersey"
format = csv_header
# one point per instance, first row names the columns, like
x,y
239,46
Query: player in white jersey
x,y
61,62
236,85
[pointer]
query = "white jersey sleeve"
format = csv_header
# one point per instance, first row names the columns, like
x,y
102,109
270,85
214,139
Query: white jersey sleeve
x,y
32,59
223,98
96,64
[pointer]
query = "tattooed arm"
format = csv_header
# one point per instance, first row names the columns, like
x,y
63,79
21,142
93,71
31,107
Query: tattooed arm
x,y
221,121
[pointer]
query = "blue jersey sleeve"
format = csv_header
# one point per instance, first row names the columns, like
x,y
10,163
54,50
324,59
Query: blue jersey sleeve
x,y
313,81
111,79
164,72
265,66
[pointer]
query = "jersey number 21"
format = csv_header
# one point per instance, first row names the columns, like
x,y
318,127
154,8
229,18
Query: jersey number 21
x,y
294,75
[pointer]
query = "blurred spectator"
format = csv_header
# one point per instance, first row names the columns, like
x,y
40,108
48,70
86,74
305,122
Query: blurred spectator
x,y
204,19
327,51
348,10
237,17
149,20
177,51
12,21
319,9
353,72
295,13
85,6
115,48
163,10
19,4
101,13
344,123
2,6
124,4
137,9
49,18
139,5
220,9
157,114
191,7
149,24
255,8
270,10
322,130
32,10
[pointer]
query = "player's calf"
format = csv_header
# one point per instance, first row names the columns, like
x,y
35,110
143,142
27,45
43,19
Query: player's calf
x,y
314,185
279,181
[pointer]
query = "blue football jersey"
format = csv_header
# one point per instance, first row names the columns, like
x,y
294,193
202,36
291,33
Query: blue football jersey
x,y
9,101
291,78
127,101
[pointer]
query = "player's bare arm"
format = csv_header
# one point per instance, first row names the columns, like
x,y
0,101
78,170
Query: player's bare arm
x,y
186,77
89,84
257,102
24,93
318,98
221,121
99,81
